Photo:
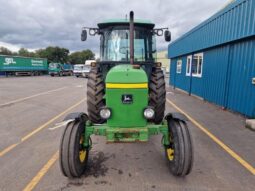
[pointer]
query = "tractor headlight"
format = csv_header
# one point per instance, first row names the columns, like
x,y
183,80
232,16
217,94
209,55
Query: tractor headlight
x,y
149,113
105,113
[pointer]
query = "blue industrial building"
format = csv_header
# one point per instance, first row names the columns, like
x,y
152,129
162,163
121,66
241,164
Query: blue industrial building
x,y
216,59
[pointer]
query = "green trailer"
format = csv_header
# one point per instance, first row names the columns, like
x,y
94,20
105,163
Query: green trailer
x,y
17,65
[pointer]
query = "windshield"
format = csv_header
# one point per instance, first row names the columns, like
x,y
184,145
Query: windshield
x,y
78,67
53,65
115,45
86,67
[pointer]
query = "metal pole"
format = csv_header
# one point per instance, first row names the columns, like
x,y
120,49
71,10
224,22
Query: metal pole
x,y
131,36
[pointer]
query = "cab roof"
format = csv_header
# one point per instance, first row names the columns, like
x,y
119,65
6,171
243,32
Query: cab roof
x,y
117,22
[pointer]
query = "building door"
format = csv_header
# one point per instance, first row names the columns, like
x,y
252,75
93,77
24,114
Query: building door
x,y
240,90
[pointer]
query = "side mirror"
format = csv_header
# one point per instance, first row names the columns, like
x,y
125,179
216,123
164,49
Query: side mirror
x,y
167,35
83,35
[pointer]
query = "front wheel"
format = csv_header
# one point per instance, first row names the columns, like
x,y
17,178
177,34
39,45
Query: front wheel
x,y
73,154
180,151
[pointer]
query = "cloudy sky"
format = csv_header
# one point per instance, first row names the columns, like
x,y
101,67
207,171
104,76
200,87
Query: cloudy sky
x,y
37,24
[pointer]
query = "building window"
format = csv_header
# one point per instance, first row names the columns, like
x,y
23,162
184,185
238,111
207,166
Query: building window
x,y
197,65
179,67
188,65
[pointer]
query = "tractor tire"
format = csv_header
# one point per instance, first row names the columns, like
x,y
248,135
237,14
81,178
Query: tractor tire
x,y
95,95
157,94
73,156
180,151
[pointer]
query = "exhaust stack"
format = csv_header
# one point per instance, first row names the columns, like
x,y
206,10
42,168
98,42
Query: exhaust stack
x,y
131,34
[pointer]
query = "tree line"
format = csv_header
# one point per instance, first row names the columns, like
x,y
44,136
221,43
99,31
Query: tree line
x,y
53,54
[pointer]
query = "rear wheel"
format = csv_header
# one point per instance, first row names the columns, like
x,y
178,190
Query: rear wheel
x,y
95,94
73,155
180,151
157,93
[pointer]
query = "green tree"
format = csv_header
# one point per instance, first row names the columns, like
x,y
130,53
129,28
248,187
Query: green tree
x,y
80,57
54,54
24,52
5,51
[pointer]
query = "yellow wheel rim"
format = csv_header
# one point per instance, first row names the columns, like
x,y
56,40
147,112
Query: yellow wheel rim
x,y
82,152
170,154
82,155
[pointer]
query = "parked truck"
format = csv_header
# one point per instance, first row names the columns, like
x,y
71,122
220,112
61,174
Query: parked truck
x,y
17,65
82,70
58,69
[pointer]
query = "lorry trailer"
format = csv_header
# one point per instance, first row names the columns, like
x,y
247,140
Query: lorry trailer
x,y
17,65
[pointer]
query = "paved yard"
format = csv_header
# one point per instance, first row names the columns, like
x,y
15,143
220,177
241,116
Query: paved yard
x,y
31,106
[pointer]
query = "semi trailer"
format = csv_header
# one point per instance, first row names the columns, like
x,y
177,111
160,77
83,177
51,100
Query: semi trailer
x,y
17,65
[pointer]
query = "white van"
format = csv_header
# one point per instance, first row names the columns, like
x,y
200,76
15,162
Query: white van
x,y
82,69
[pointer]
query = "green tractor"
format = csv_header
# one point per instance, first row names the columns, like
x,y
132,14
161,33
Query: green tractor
x,y
126,99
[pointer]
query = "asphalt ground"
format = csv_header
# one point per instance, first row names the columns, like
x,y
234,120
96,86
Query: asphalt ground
x,y
30,108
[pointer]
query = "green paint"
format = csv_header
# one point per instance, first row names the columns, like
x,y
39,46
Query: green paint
x,y
127,123
55,68
126,74
131,114
126,115
16,64
134,134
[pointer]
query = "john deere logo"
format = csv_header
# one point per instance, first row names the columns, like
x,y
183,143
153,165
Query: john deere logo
x,y
127,99
9,61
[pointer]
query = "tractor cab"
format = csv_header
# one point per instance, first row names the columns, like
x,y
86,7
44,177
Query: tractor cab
x,y
115,41
117,45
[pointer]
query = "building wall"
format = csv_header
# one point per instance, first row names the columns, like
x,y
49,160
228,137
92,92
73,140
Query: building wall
x,y
226,76
234,22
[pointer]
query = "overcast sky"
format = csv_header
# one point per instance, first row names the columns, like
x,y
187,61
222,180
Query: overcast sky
x,y
37,24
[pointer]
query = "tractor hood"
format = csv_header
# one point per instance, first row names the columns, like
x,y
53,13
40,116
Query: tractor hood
x,y
127,96
126,74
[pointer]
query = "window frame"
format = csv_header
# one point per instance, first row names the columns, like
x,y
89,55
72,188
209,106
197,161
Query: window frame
x,y
188,65
199,75
179,69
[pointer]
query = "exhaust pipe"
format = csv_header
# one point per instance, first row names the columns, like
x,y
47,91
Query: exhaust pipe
x,y
131,36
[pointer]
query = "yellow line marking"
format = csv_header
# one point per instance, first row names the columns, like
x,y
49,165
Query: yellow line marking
x,y
50,121
9,148
6,150
215,139
128,86
29,97
31,185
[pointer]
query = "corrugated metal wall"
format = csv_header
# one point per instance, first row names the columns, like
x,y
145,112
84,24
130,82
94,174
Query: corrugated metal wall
x,y
227,77
179,80
241,91
235,22
215,71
